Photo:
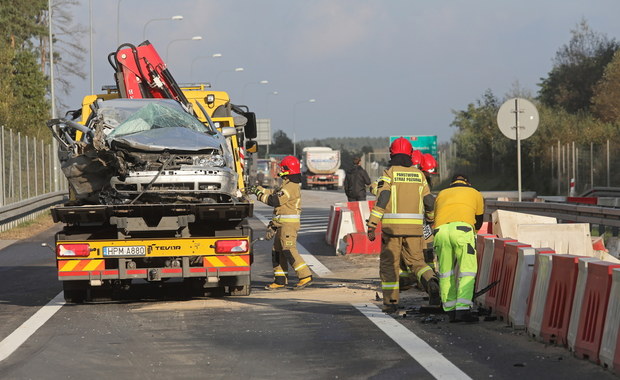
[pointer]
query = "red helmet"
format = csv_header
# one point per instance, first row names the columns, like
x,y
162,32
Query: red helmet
x,y
401,145
417,158
289,165
429,164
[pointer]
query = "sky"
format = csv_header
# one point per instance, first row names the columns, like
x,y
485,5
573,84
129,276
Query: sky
x,y
374,67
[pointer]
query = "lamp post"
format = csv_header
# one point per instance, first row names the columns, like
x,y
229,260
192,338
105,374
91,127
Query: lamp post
x,y
176,18
191,67
267,101
195,38
247,84
118,22
294,126
236,70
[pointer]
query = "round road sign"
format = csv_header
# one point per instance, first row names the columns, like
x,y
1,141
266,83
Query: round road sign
x,y
517,113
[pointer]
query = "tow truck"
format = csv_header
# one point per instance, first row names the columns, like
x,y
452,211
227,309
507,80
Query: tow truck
x,y
204,241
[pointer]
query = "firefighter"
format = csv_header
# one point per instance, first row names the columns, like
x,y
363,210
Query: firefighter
x,y
286,201
458,216
403,203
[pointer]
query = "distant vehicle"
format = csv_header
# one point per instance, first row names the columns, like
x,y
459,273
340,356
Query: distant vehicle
x,y
266,172
319,167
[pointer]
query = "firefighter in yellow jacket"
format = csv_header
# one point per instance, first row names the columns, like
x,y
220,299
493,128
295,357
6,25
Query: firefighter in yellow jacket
x,y
403,203
286,201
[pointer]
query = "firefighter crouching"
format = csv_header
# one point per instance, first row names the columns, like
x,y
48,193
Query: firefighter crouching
x,y
403,203
286,201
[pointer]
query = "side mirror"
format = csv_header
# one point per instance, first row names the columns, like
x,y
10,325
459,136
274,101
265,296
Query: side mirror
x,y
251,146
228,131
250,127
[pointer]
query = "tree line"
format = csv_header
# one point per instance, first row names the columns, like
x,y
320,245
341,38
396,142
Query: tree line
x,y
24,64
578,103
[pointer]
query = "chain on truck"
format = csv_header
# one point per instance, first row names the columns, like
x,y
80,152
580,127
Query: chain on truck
x,y
141,211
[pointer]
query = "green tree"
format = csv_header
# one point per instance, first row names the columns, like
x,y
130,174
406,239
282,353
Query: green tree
x,y
282,144
578,66
606,99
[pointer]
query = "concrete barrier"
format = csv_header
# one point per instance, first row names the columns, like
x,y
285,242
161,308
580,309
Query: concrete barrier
x,y
538,295
521,287
558,306
610,345
594,310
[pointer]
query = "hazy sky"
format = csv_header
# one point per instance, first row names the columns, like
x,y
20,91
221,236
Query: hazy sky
x,y
375,67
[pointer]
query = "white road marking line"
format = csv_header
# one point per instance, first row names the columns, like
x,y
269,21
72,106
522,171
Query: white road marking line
x,y
434,362
23,332
314,264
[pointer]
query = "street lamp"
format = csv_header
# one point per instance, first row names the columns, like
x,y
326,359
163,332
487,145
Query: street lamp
x,y
236,70
267,101
294,126
177,18
195,38
191,67
247,84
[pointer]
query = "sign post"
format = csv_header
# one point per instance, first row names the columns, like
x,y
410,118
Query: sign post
x,y
518,119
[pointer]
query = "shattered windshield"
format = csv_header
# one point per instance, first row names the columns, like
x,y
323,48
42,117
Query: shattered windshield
x,y
154,116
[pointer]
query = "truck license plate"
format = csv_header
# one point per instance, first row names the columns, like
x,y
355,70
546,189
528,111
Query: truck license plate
x,y
129,250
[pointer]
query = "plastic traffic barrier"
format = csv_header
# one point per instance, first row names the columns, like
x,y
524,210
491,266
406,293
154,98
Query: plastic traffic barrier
x,y
346,226
610,345
495,272
559,303
482,276
521,287
594,310
358,243
480,241
507,278
582,278
333,223
538,295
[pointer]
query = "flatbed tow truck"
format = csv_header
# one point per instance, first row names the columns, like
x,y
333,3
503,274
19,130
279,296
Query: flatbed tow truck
x,y
103,248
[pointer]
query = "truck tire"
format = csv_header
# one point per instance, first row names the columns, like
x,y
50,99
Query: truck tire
x,y
243,290
75,291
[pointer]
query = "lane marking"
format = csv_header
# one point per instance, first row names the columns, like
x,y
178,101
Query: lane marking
x,y
434,362
23,332
314,264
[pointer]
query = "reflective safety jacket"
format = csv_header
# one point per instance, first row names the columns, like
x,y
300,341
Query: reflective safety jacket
x,y
285,200
404,200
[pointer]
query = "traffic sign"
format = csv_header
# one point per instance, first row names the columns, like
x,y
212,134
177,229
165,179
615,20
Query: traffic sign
x,y
425,144
517,118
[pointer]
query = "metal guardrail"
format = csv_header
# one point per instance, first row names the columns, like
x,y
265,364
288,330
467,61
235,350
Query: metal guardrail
x,y
19,212
572,212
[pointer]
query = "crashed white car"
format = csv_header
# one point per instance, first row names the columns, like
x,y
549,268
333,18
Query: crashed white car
x,y
146,151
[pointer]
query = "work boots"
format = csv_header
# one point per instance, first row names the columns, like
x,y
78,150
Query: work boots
x,y
303,283
434,297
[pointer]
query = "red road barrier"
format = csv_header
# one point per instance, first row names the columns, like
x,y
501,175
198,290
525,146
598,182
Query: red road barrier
x,y
333,223
487,228
507,279
558,305
593,310
538,287
521,287
480,239
580,289
495,272
484,269
610,346
358,243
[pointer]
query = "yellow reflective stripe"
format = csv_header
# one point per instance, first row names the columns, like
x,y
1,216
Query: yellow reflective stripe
x,y
394,199
300,266
401,221
385,179
403,216
389,285
420,273
279,273
378,214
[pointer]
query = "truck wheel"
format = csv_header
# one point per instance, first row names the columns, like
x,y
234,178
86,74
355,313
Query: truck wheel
x,y
244,290
75,291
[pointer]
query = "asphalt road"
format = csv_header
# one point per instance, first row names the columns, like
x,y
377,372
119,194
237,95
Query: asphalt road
x,y
331,330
